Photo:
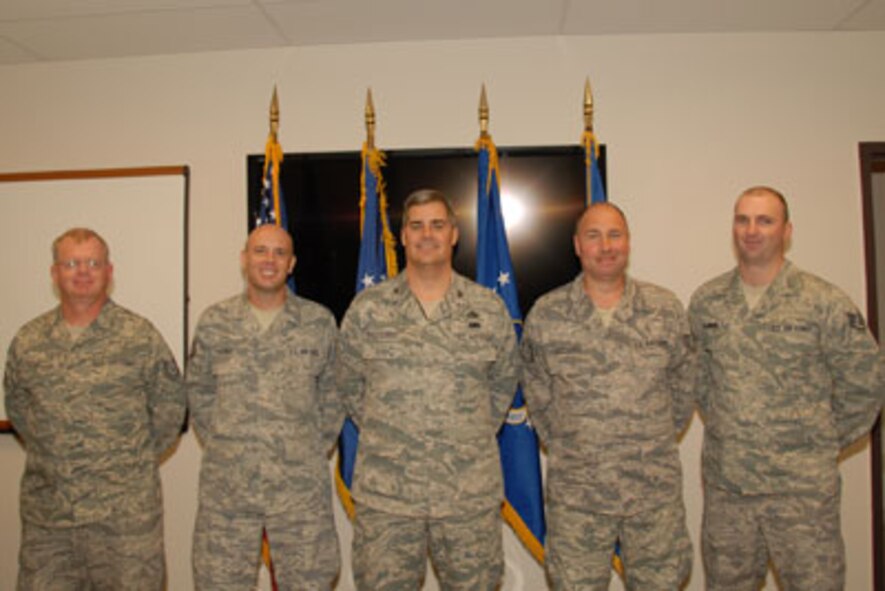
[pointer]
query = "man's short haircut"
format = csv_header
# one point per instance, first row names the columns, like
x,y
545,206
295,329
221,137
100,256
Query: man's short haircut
x,y
597,205
425,196
79,236
765,190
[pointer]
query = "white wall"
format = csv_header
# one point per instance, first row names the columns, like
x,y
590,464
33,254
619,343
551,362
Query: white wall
x,y
688,120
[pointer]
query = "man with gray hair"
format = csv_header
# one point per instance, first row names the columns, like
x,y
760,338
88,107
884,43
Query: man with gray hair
x,y
427,367
609,371
96,397
790,377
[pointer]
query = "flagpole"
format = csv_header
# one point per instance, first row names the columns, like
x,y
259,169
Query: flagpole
x,y
272,155
588,106
483,113
591,150
274,125
274,114
367,153
370,120
373,266
485,139
523,507
588,133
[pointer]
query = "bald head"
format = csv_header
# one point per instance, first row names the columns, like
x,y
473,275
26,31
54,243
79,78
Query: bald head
x,y
266,230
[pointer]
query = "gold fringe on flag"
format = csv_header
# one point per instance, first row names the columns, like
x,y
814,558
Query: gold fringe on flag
x,y
273,155
376,161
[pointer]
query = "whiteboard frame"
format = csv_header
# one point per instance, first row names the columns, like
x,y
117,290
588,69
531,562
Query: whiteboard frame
x,y
91,176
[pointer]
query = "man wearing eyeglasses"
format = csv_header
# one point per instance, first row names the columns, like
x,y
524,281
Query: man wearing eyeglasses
x,y
427,368
96,397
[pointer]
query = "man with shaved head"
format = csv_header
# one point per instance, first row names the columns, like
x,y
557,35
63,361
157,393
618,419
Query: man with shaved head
x,y
95,394
262,400
790,376
609,369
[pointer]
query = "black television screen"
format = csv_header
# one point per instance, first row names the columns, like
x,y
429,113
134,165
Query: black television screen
x,y
542,192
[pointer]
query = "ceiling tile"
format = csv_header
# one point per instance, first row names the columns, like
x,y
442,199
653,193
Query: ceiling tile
x,y
11,53
352,21
145,33
687,16
870,17
11,10
81,29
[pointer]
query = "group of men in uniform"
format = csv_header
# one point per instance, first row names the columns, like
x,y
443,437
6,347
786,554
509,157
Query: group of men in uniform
x,y
779,363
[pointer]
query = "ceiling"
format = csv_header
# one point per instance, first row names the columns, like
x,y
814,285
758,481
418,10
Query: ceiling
x,y
49,30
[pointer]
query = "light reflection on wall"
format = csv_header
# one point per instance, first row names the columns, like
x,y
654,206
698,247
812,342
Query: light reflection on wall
x,y
513,209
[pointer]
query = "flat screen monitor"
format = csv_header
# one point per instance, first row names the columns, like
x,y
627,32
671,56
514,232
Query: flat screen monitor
x,y
542,194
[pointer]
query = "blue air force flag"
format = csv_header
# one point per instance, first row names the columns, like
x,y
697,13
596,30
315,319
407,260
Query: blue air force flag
x,y
518,443
377,262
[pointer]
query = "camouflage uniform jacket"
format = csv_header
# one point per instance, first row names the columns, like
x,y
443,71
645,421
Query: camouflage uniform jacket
x,y
608,402
95,414
264,406
428,395
784,386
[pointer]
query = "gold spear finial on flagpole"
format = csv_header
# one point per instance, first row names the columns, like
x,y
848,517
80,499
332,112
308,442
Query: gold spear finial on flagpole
x,y
274,114
588,106
483,113
370,120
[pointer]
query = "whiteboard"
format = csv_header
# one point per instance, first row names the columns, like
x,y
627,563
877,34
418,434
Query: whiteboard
x,y
140,212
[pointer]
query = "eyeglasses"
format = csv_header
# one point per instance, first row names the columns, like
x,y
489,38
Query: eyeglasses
x,y
72,264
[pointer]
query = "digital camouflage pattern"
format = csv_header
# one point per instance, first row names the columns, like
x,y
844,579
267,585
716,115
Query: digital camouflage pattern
x,y
609,403
466,551
266,410
428,395
655,548
784,386
95,415
801,532
122,553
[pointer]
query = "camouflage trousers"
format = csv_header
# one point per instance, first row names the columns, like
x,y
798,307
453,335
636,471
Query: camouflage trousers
x,y
800,533
122,553
390,551
655,548
227,550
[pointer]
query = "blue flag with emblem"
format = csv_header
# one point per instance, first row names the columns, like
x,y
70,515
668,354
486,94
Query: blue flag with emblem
x,y
271,206
523,508
595,192
377,262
